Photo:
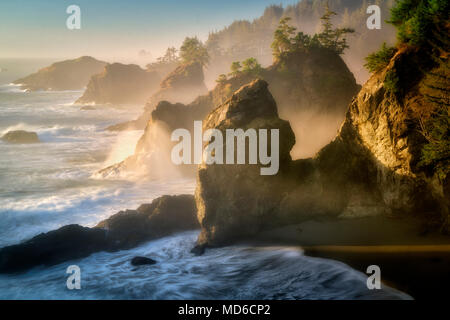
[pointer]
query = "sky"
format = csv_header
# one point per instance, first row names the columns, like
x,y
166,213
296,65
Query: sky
x,y
115,30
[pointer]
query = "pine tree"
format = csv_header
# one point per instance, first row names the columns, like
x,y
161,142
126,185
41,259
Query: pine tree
x,y
282,37
333,39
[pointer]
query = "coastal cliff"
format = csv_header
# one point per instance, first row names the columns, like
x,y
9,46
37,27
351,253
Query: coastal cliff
x,y
120,84
64,75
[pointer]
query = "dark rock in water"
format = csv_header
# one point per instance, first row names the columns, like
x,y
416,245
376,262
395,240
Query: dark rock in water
x,y
165,215
21,136
198,250
124,230
140,261
66,243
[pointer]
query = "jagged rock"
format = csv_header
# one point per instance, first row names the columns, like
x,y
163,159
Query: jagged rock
x,y
21,136
120,84
66,243
124,230
182,85
236,201
63,75
370,169
165,215
142,261
372,164
315,107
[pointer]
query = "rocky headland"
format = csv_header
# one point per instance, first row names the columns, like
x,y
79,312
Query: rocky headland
x,y
64,75
120,84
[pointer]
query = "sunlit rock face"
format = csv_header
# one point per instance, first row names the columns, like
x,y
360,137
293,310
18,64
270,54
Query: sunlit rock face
x,y
64,75
234,200
373,162
120,84
369,169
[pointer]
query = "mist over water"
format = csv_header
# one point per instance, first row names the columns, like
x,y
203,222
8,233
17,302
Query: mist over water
x,y
46,185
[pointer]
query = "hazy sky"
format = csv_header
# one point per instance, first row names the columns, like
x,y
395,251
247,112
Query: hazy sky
x,y
114,29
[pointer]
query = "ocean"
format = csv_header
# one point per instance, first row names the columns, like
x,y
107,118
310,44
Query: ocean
x,y
47,185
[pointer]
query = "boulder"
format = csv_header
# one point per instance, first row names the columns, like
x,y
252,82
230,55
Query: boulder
x,y
124,230
21,136
142,261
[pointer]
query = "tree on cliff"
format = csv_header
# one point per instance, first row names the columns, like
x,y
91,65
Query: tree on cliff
x,y
251,66
169,56
193,50
330,38
235,68
282,37
418,21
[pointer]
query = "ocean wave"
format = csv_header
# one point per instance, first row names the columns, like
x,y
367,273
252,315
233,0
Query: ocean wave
x,y
236,272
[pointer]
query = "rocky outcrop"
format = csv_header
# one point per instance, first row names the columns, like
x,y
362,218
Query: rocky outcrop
x,y
312,89
20,136
236,201
124,230
120,84
182,85
370,168
64,75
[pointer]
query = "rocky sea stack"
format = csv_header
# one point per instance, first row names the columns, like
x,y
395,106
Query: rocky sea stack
x,y
120,84
20,136
182,85
64,75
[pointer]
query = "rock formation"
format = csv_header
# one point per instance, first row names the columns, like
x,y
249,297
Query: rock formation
x,y
120,84
63,75
312,89
370,168
182,85
20,136
236,200
124,230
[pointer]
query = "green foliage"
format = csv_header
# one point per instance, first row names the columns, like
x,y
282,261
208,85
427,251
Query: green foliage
x,y
392,82
380,59
435,119
330,38
193,50
248,66
222,78
417,20
251,66
235,69
282,37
